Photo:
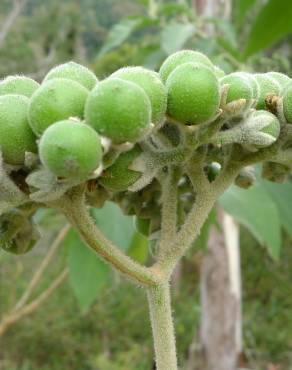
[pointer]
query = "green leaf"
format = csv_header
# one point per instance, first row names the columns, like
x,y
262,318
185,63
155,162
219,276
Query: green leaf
x,y
272,23
88,273
255,209
175,35
282,196
139,249
242,7
118,34
114,224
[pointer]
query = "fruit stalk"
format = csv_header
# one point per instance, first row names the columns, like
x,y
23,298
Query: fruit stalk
x,y
162,327
74,207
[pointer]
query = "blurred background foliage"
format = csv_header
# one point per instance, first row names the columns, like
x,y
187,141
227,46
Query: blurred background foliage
x,y
96,320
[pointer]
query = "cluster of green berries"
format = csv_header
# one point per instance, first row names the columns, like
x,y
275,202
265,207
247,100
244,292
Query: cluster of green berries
x,y
71,110
71,119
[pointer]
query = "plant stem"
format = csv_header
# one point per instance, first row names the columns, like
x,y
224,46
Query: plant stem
x,y
76,211
162,327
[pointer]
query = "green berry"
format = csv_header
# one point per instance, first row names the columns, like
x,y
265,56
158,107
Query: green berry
x,y
19,85
193,93
253,83
74,71
16,136
70,149
281,78
119,177
181,57
142,226
213,171
119,110
56,100
151,83
287,102
267,86
239,88
18,233
16,246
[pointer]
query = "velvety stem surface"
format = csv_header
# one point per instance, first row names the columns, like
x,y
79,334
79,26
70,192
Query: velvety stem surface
x,y
162,327
77,212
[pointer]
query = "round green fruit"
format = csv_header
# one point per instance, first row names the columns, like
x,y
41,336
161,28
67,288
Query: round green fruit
x,y
239,88
19,85
16,136
70,150
119,177
213,171
181,57
151,83
18,233
287,102
56,100
281,78
74,71
193,94
253,83
17,246
267,86
142,226
119,110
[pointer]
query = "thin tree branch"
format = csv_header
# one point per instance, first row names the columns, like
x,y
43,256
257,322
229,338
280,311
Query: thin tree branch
x,y
15,316
17,8
41,269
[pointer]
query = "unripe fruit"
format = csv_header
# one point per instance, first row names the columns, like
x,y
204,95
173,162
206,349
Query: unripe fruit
x,y
287,102
142,226
16,136
56,100
16,246
119,177
19,85
212,171
245,179
74,71
18,233
151,83
193,93
239,88
119,110
281,78
275,172
181,57
70,150
253,83
267,85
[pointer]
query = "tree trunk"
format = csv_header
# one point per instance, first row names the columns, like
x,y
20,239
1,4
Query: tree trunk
x,y
221,297
221,333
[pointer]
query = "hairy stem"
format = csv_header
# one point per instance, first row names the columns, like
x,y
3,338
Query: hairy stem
x,y
162,327
169,210
76,211
205,200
